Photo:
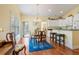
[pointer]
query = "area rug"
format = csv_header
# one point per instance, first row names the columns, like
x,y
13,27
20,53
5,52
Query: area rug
x,y
34,46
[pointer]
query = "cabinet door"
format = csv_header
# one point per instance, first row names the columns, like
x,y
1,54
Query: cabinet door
x,y
62,22
76,17
69,21
76,22
50,23
54,23
59,22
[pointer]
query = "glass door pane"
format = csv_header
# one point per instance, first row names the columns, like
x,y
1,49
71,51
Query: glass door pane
x,y
14,26
25,28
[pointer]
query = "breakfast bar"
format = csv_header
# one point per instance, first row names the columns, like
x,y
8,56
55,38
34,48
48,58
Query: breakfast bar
x,y
71,37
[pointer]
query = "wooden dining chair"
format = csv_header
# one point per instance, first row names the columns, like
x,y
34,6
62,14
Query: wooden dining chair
x,y
43,36
10,38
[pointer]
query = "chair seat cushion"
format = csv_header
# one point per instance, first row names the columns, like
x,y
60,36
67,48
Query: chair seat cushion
x,y
19,47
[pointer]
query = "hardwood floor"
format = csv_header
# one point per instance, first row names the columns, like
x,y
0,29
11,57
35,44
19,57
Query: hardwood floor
x,y
57,51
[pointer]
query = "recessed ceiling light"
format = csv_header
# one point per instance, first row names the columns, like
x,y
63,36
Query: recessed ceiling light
x,y
49,10
61,12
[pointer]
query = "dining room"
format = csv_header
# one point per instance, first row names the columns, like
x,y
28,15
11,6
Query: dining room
x,y
52,26
40,29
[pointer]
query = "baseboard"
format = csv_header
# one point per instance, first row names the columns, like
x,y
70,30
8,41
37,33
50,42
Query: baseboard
x,y
76,47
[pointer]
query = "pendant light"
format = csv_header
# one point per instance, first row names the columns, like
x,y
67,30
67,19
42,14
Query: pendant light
x,y
37,17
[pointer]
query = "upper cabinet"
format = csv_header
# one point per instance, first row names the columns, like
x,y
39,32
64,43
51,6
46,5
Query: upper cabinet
x,y
69,21
61,22
76,17
76,21
52,23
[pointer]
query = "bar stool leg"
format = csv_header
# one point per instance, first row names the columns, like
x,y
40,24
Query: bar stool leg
x,y
64,42
59,41
55,39
50,38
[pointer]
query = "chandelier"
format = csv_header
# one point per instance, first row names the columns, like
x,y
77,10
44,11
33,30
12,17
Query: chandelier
x,y
37,15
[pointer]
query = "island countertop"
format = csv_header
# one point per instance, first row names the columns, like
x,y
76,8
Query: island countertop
x,y
66,29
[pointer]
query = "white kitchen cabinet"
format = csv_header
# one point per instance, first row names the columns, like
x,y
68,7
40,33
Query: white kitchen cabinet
x,y
61,22
76,21
55,23
64,22
76,17
52,23
69,21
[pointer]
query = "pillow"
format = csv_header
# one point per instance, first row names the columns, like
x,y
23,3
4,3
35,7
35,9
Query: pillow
x,y
17,38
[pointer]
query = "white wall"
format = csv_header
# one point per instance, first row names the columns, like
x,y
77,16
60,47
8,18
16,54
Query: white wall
x,y
5,15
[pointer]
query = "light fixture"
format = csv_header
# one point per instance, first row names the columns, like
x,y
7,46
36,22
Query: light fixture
x,y
61,12
37,15
49,10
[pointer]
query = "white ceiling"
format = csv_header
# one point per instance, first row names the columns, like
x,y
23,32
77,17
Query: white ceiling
x,y
44,9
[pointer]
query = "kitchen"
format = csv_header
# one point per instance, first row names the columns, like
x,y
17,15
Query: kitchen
x,y
68,26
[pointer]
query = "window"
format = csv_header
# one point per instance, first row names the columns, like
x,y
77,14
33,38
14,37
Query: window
x,y
14,25
25,28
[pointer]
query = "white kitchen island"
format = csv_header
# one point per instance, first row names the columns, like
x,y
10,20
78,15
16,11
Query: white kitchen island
x,y
71,37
